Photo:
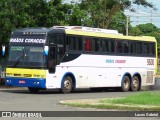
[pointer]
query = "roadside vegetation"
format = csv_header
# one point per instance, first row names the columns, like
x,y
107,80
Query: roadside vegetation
x,y
158,71
146,101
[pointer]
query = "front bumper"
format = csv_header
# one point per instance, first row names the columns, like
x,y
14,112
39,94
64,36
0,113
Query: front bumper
x,y
26,82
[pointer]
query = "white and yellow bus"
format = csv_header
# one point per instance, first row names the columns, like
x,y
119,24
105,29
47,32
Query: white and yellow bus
x,y
67,58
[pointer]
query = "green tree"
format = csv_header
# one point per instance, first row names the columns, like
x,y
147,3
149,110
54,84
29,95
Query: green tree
x,y
100,12
135,31
148,29
118,22
29,13
77,17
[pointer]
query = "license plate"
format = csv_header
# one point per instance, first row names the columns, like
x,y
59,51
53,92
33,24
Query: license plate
x,y
22,82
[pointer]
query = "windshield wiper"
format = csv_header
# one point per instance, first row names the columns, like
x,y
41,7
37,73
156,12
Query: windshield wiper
x,y
16,63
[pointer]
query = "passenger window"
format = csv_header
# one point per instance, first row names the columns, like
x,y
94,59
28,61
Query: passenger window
x,y
119,46
111,46
105,45
75,43
108,45
152,48
72,43
125,47
96,44
133,47
88,45
139,48
91,44
145,48
79,43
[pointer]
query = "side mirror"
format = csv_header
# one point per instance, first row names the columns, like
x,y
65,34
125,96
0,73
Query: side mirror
x,y
3,50
46,49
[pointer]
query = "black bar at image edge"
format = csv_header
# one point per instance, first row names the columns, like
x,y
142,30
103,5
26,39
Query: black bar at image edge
x,y
79,114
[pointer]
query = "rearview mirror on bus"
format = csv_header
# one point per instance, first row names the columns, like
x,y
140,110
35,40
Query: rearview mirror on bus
x,y
46,50
3,50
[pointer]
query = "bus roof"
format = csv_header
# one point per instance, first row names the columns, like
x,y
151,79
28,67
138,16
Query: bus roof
x,y
37,30
80,30
104,33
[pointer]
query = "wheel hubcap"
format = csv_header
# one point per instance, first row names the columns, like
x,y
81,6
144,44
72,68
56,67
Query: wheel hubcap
x,y
67,84
126,84
135,83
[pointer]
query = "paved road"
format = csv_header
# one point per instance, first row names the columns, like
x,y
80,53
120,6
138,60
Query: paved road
x,y
19,99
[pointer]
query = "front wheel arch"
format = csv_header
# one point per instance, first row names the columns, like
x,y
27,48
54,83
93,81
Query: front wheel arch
x,y
72,81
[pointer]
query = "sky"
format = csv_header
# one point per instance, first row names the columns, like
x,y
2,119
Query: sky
x,y
142,15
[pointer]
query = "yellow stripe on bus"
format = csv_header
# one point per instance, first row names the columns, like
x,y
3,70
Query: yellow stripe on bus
x,y
105,35
25,73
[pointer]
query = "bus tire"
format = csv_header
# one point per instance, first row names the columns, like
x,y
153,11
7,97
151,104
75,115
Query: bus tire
x,y
66,85
135,84
33,90
125,84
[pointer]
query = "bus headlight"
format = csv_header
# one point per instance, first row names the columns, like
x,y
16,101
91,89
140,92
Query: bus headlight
x,y
36,83
8,81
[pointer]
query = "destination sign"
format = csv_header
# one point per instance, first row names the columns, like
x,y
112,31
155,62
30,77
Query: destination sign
x,y
27,40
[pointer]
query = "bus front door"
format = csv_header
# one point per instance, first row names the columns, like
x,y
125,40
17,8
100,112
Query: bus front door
x,y
52,61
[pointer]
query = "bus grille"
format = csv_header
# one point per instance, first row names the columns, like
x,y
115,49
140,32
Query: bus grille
x,y
149,77
22,75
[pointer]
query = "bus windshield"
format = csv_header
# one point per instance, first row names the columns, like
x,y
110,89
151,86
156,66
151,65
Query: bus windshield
x,y
26,56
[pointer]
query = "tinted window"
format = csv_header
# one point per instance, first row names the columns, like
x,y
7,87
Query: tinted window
x,y
72,43
56,39
79,43
105,45
139,48
145,48
88,43
111,46
152,48
125,47
96,44
91,44
75,43
119,46
133,47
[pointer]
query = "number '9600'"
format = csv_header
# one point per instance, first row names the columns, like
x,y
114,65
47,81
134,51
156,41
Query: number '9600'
x,y
150,61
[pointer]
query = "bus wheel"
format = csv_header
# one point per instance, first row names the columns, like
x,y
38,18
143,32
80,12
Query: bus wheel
x,y
33,90
135,84
67,85
125,84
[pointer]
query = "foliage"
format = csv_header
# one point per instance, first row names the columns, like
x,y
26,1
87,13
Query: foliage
x,y
47,13
100,13
146,30
118,22
76,16
29,13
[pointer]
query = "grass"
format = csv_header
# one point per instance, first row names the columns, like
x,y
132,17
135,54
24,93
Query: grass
x,y
145,101
158,71
144,98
